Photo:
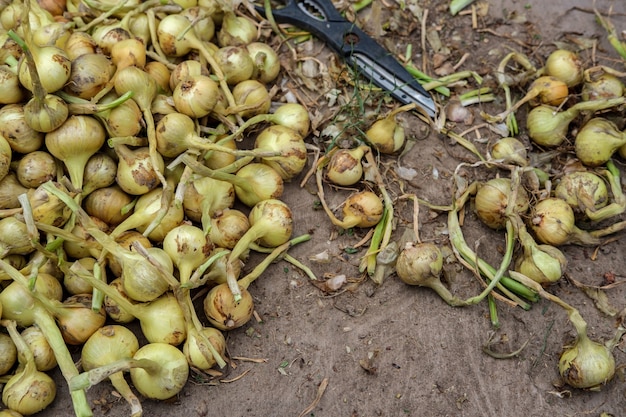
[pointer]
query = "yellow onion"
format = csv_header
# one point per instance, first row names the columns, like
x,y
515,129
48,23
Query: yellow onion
x,y
72,282
421,264
161,73
35,168
124,119
79,43
77,320
107,345
221,310
188,247
48,208
266,62
100,172
510,150
601,87
289,144
13,127
52,63
235,63
205,197
128,52
147,206
78,138
10,189
193,349
492,199
17,301
553,222
195,96
90,74
28,391
566,66
345,167
252,98
186,69
10,87
362,209
587,364
201,19
597,141
105,36
39,345
582,190
386,135
6,154
109,204
227,227
166,377
236,30
114,311
8,353
136,173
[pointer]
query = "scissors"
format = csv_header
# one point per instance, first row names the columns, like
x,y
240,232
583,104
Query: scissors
x,y
321,19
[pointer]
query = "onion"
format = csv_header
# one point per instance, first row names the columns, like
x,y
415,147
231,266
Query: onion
x,y
290,146
345,167
90,74
544,264
8,354
266,62
17,132
75,317
510,150
597,141
74,143
385,134
48,60
84,245
10,189
236,30
79,43
100,171
29,390
582,190
46,207
142,280
204,197
158,371
127,240
252,98
108,345
161,73
124,119
196,96
109,204
228,227
73,283
10,87
201,19
106,36
114,311
35,168
362,209
547,127
235,63
39,345
253,183
195,354
271,225
421,264
188,247
566,66
147,207
136,172
586,364
601,87
553,222
14,238
492,199
186,69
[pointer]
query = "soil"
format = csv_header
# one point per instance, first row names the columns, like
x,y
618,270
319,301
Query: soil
x,y
396,350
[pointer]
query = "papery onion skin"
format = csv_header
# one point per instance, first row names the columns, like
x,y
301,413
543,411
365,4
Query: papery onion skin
x,y
510,150
597,141
362,209
30,395
293,153
38,344
82,321
492,199
171,378
605,86
266,61
223,312
418,264
582,190
194,354
35,168
253,95
235,63
8,353
566,66
345,167
196,96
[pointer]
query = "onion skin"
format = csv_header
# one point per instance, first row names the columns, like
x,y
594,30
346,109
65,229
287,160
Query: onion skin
x,y
510,150
566,66
223,312
345,167
362,209
293,157
169,379
8,353
582,191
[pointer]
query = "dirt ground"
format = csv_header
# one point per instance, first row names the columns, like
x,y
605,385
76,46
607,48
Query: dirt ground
x,y
395,350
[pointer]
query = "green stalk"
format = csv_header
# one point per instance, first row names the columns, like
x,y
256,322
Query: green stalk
x,y
493,311
618,206
457,5
424,78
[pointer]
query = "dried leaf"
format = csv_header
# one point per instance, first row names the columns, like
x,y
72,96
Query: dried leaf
x,y
598,296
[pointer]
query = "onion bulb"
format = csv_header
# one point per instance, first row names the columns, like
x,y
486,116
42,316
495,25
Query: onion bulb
x,y
35,168
492,199
136,173
266,62
204,197
195,355
345,167
76,319
39,345
13,127
29,391
235,63
196,96
8,354
362,209
100,172
74,142
236,30
553,222
582,190
291,148
188,247
251,98
17,302
597,141
602,87
46,207
421,264
510,151
90,74
566,66
109,204
586,364
386,134
227,227
108,345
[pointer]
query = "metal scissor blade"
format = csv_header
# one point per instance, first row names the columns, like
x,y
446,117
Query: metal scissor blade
x,y
402,91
